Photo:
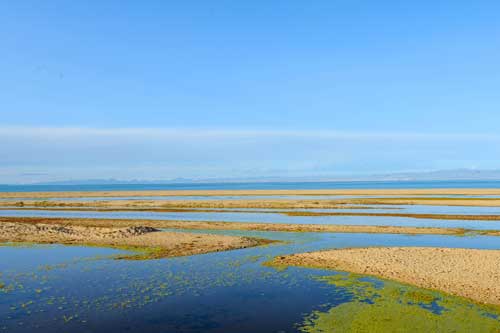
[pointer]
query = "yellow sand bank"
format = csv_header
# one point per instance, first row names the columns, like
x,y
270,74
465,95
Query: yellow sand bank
x,y
469,273
209,225
150,242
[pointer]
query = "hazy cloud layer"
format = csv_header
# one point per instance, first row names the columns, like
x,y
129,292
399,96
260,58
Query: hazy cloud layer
x,y
40,154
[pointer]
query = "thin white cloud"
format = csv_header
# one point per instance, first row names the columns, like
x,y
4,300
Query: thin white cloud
x,y
192,133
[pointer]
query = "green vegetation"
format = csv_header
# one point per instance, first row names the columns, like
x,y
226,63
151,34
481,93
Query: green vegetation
x,y
396,307
141,253
135,252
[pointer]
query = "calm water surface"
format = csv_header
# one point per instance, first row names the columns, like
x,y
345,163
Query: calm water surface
x,y
259,186
245,197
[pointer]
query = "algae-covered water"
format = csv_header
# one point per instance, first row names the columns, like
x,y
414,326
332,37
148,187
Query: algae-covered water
x,y
82,289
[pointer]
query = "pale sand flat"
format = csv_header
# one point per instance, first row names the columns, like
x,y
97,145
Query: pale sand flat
x,y
470,273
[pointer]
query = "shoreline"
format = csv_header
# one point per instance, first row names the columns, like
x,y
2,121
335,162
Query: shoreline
x,y
248,226
469,273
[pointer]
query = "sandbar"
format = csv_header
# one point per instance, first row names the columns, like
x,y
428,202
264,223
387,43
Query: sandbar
x,y
147,242
267,203
212,225
469,273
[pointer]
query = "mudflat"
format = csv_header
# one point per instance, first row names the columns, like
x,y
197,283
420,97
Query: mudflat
x,y
469,273
147,242
211,225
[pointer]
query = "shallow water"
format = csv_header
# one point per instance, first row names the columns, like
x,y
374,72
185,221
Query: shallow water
x,y
246,197
70,289
190,197
258,186
263,218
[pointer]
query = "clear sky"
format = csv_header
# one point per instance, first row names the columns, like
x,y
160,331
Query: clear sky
x,y
165,89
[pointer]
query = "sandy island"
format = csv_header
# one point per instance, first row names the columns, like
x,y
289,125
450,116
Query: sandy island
x,y
212,225
470,273
146,242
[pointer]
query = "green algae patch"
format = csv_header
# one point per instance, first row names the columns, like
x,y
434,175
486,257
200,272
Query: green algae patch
x,y
134,252
142,253
25,245
396,307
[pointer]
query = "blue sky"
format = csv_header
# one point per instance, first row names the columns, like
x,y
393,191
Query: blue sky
x,y
164,89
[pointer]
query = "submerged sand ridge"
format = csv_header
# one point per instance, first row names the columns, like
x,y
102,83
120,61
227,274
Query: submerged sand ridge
x,y
151,242
470,273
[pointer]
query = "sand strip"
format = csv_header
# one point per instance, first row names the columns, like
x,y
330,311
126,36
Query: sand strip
x,y
260,203
210,225
185,204
469,273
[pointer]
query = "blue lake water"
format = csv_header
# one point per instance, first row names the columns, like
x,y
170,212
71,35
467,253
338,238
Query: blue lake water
x,y
69,289
242,197
259,186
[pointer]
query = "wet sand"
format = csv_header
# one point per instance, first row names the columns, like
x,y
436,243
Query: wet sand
x,y
210,225
469,273
74,194
147,242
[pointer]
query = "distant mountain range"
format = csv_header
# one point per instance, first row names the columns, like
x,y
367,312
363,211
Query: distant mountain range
x,y
456,174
